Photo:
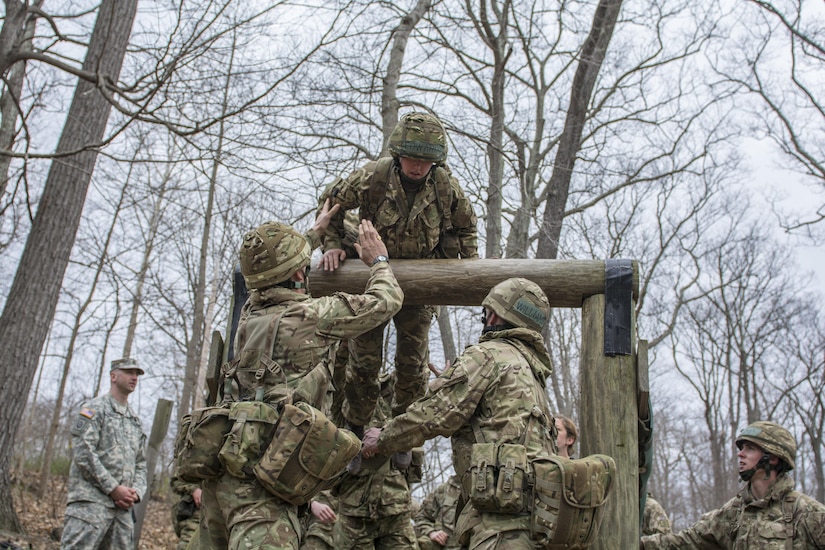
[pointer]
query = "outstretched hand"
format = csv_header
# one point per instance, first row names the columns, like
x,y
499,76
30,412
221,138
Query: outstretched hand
x,y
369,245
325,216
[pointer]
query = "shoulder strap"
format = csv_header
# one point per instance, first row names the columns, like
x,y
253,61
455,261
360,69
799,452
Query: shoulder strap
x,y
379,179
443,193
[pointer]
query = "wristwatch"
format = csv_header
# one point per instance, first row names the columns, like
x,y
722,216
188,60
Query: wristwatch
x,y
380,258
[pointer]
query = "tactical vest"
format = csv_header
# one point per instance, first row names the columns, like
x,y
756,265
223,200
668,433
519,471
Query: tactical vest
x,y
379,179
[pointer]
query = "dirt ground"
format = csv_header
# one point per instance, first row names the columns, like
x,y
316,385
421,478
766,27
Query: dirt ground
x,y
42,518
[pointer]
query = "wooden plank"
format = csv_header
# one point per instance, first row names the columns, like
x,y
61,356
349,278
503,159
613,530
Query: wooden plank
x,y
466,282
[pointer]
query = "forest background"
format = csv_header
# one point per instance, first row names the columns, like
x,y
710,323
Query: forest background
x,y
139,140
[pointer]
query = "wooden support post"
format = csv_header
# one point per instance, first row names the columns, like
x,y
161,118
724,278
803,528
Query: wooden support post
x,y
609,425
163,413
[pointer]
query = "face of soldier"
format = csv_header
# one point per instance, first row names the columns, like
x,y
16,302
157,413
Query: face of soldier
x,y
415,169
563,440
125,380
749,456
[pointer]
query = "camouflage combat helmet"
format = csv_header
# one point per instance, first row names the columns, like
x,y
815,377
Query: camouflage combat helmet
x,y
271,253
419,136
520,302
771,438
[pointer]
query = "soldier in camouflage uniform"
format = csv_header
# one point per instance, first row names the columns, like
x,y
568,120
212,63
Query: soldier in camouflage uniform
x,y
374,503
767,513
108,472
493,393
186,512
420,211
239,512
655,520
435,520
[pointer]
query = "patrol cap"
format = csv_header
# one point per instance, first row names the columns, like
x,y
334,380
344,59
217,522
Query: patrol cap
x,y
127,363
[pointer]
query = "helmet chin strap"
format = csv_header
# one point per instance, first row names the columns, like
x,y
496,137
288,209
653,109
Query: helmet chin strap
x,y
764,463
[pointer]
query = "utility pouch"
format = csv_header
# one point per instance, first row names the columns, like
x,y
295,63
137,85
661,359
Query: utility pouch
x,y
253,425
512,478
200,436
480,484
449,243
307,455
568,500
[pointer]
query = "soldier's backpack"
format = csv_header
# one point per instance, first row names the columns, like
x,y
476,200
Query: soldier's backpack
x,y
308,454
568,500
199,438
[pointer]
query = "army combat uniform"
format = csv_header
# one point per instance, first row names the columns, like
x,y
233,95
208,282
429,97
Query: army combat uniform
x,y
412,225
239,512
497,389
438,513
186,514
784,519
655,518
374,503
107,451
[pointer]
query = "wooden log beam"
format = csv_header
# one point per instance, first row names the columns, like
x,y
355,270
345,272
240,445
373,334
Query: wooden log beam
x,y
567,283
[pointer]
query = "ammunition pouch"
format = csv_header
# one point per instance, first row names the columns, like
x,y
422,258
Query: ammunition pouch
x,y
199,439
449,244
415,472
568,499
308,454
497,478
252,428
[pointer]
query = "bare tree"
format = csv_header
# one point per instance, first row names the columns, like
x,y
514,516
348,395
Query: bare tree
x,y
36,288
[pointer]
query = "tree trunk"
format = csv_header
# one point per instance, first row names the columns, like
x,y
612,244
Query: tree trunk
x,y
389,100
590,62
35,290
10,100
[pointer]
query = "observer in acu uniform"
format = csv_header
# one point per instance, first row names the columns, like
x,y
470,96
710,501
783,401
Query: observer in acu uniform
x,y
281,324
108,472
420,211
493,393
768,513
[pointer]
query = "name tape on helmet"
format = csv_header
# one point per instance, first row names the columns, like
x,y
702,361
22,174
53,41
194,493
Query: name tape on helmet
x,y
530,311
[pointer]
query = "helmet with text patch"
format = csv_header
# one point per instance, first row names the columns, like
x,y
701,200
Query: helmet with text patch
x,y
419,136
771,438
520,302
271,254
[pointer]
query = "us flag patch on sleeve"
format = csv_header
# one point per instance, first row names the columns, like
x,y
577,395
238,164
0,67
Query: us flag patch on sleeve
x,y
87,412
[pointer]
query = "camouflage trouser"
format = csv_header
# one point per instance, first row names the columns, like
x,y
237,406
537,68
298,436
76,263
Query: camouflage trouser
x,y
487,531
92,525
389,533
252,517
412,326
317,535
213,532
188,527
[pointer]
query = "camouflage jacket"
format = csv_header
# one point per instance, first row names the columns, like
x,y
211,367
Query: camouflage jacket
x,y
497,384
107,451
655,518
409,233
438,511
783,519
299,334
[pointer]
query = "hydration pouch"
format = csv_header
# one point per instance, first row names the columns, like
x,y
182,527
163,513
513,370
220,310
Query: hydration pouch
x,y
307,455
253,425
199,439
568,500
512,478
480,483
